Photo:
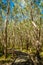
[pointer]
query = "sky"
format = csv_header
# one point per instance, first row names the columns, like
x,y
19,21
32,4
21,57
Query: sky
x,y
22,3
11,3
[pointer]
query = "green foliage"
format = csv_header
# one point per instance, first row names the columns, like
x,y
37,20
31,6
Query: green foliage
x,y
22,35
4,7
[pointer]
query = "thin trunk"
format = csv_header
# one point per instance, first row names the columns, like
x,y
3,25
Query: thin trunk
x,y
40,30
21,43
13,50
6,24
38,38
6,40
31,12
27,44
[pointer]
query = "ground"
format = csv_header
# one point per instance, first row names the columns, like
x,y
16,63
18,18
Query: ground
x,y
21,58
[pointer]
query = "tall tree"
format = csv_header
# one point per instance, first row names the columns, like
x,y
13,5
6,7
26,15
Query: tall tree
x,y
6,25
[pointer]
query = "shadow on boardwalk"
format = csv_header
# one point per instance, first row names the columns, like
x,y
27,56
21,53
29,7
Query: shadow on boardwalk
x,y
24,59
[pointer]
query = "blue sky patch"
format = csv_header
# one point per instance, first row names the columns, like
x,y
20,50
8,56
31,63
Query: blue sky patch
x,y
22,5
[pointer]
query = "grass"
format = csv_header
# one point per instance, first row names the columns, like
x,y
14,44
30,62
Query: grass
x,y
29,51
9,56
41,54
8,59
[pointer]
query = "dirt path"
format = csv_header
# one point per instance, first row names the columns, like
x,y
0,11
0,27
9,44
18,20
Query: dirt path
x,y
23,58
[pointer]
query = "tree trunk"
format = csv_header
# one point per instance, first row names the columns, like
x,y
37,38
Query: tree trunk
x,y
6,25
6,39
